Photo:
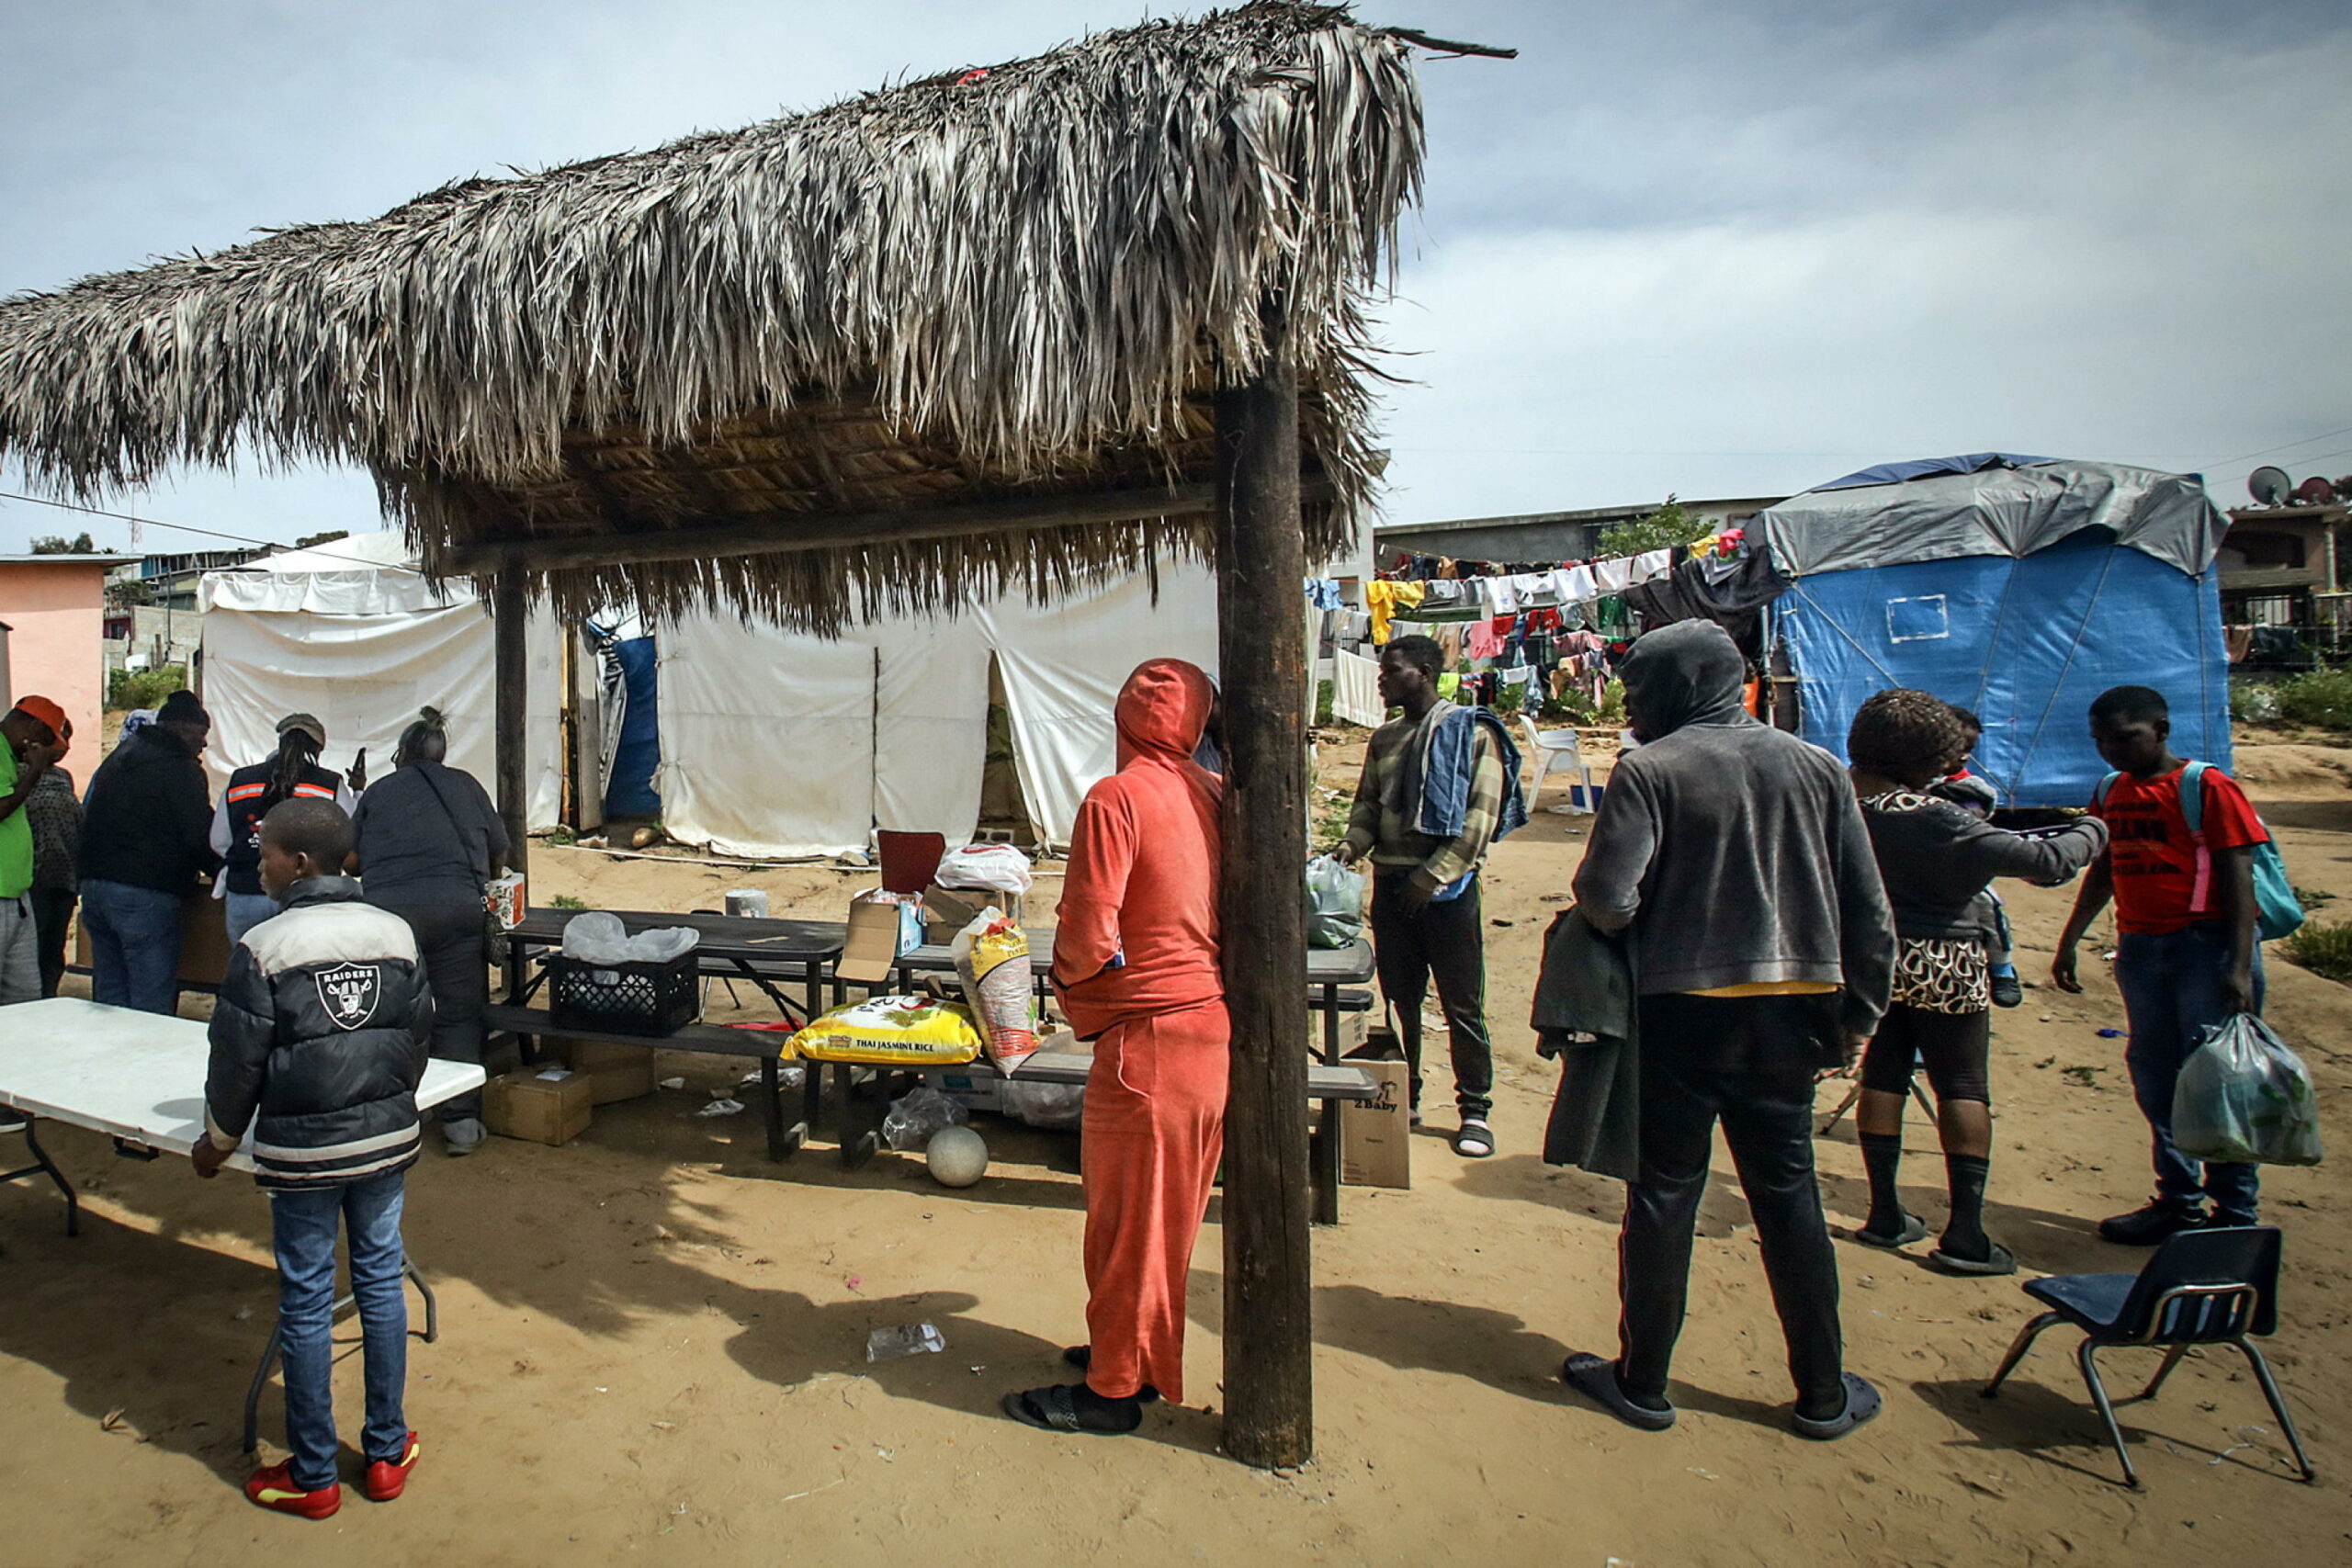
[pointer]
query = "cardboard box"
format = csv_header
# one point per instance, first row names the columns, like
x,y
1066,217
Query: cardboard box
x,y
204,941
613,1072
538,1108
880,928
947,910
1376,1135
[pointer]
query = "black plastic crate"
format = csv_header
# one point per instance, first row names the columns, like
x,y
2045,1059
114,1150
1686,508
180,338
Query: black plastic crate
x,y
633,998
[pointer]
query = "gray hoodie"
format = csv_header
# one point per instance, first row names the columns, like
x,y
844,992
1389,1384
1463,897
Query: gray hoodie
x,y
1736,853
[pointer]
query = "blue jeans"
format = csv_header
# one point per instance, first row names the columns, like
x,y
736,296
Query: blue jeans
x,y
134,946
303,1226
2172,996
246,910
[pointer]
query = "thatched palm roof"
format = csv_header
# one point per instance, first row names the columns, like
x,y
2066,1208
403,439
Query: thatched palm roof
x,y
927,342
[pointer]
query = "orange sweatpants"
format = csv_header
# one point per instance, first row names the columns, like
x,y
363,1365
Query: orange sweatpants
x,y
1153,1134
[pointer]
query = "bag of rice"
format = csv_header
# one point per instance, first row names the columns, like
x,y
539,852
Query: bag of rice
x,y
992,960
897,1030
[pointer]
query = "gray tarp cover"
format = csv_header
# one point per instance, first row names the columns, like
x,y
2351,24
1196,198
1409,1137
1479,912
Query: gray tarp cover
x,y
1997,512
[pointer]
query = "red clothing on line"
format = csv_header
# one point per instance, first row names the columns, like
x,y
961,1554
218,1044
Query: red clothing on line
x,y
1141,887
2162,882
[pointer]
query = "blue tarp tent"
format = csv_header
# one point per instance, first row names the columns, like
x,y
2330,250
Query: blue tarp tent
x,y
2019,588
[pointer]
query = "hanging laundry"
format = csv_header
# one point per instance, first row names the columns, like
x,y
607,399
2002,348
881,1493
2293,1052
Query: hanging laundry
x,y
1323,593
1483,641
1499,595
1650,564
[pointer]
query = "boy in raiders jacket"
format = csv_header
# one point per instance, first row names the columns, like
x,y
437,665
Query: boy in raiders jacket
x,y
319,1041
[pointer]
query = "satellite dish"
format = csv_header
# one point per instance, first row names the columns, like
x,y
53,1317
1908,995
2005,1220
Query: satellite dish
x,y
2314,492
2270,486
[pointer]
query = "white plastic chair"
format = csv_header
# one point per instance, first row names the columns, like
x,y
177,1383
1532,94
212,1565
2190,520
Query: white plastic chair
x,y
1558,750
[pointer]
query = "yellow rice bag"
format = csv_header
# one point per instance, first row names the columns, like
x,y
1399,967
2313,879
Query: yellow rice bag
x,y
903,1031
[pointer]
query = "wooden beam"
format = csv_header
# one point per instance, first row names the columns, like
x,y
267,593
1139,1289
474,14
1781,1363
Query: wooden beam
x,y
825,533
511,677
1261,655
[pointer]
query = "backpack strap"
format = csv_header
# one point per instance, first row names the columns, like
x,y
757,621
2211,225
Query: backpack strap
x,y
2192,811
2098,796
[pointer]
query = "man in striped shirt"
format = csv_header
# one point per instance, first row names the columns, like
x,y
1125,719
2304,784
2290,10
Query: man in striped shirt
x,y
1453,769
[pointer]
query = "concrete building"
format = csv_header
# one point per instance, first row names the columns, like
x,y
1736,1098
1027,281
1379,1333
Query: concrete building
x,y
55,608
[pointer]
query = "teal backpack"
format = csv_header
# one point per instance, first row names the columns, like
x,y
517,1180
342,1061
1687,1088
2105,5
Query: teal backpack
x,y
2277,911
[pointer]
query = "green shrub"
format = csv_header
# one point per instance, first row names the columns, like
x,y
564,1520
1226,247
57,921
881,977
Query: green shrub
x,y
2325,949
1323,702
566,901
144,688
2321,698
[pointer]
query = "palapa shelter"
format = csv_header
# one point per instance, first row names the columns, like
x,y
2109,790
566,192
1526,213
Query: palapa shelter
x,y
1015,327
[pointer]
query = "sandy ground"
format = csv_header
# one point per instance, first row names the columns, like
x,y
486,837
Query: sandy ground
x,y
651,1339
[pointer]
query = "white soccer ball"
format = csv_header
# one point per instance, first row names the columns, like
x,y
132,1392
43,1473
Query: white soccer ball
x,y
957,1155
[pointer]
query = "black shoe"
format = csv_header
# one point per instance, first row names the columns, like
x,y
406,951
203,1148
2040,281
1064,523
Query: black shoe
x,y
2007,992
2153,1224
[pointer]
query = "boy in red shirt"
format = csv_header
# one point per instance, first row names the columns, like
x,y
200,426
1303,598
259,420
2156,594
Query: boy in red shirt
x,y
2185,953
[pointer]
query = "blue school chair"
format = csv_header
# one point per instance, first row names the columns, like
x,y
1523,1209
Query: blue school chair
x,y
2203,1287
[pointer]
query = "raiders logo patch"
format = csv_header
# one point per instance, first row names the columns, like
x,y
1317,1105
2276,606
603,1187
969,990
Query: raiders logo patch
x,y
349,992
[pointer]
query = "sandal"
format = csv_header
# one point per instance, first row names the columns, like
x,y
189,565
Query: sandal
x,y
1082,1356
1476,1141
1914,1229
1056,1409
1861,1403
1595,1377
2002,1261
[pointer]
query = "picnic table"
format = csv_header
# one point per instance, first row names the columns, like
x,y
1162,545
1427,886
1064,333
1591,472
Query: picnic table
x,y
139,1077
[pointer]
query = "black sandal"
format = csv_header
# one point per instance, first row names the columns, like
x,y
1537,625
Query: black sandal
x,y
1056,1409
1595,1377
1082,1356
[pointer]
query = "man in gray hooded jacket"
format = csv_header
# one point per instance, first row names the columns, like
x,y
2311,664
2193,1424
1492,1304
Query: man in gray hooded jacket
x,y
1735,860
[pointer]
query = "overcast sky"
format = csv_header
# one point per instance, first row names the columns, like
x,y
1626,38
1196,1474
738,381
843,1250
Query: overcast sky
x,y
1718,247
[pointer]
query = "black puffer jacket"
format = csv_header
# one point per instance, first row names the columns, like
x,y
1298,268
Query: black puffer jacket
x,y
321,1031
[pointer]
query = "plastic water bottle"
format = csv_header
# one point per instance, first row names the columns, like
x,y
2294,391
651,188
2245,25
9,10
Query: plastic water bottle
x,y
906,1339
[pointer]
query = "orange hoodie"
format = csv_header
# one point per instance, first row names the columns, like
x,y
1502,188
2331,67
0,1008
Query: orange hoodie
x,y
1136,936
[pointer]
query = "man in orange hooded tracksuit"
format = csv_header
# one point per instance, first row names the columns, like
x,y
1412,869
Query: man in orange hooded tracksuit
x,y
1136,964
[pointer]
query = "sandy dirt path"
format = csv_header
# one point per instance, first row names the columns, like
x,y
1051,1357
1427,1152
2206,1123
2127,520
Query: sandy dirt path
x,y
652,1338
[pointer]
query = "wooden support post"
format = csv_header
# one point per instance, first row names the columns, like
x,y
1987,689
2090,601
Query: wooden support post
x,y
509,607
1260,563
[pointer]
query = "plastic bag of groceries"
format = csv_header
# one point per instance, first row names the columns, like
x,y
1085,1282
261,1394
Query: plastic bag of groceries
x,y
915,1116
1334,903
989,868
2244,1097
992,960
1045,1104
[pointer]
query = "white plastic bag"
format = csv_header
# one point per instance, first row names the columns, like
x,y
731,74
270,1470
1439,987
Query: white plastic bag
x,y
1334,903
989,868
595,937
1038,1104
2243,1097
914,1119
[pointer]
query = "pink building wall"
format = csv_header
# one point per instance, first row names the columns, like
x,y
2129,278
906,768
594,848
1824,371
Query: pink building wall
x,y
55,609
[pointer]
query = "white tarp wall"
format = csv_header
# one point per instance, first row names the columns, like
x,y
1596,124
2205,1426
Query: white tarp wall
x,y
780,745
347,632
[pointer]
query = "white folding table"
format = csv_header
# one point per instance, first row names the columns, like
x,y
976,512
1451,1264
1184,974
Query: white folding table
x,y
139,1077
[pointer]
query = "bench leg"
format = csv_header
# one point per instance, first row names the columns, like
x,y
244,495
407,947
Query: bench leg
x,y
1323,1164
772,1107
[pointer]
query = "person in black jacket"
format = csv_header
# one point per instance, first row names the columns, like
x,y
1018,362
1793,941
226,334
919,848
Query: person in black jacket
x,y
319,1041
146,826
1936,857
428,839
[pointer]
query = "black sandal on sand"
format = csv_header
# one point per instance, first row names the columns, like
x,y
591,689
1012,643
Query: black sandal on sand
x,y
1058,1408
1914,1229
1595,1377
2002,1261
1862,1403
1476,1141
1082,1356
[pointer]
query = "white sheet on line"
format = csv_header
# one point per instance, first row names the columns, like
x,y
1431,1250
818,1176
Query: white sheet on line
x,y
1355,690
267,652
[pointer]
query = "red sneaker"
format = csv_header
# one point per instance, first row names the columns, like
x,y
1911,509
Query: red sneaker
x,y
386,1478
274,1488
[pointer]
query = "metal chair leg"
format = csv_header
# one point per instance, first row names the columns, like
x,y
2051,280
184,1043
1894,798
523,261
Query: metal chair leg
x,y
2017,1347
1852,1094
431,1306
2088,1357
2172,1360
2278,1406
